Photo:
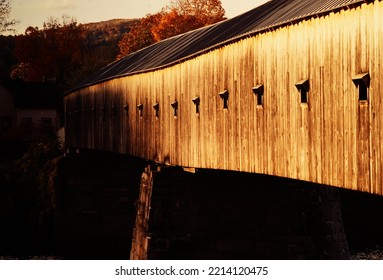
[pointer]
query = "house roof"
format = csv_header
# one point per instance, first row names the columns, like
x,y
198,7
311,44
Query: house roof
x,y
272,14
33,95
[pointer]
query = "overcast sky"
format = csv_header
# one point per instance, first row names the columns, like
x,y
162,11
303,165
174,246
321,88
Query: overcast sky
x,y
35,12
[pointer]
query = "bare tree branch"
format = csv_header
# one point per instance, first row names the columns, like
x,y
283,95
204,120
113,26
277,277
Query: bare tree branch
x,y
6,23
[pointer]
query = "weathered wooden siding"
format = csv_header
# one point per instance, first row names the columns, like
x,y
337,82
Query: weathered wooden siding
x,y
334,139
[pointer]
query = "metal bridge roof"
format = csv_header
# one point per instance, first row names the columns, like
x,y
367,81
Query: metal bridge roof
x,y
272,14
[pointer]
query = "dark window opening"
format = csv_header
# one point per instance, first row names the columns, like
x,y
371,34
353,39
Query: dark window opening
x,y
362,82
47,125
84,113
140,108
102,113
5,124
225,97
303,96
156,107
46,121
175,108
26,121
259,91
114,111
260,100
27,125
363,96
196,102
225,106
303,88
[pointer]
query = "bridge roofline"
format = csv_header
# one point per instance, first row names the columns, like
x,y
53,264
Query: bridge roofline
x,y
267,17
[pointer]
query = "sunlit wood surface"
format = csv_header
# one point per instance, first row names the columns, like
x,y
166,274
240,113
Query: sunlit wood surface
x,y
333,139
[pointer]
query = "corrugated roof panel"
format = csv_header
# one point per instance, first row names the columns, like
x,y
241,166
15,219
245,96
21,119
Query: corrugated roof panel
x,y
272,14
289,11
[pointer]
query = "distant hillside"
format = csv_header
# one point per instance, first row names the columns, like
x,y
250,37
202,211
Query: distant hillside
x,y
101,45
105,32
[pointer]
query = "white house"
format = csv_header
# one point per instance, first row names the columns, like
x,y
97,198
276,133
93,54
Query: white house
x,y
28,105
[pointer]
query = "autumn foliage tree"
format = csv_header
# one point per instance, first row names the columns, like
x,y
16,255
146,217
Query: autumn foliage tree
x,y
205,11
52,53
174,23
179,17
139,36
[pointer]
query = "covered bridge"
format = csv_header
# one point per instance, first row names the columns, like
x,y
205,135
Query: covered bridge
x,y
291,88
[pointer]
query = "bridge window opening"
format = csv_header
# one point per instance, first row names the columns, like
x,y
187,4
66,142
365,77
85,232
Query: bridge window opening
x,y
102,114
174,105
196,102
362,82
46,123
225,97
92,112
84,113
5,124
114,111
156,107
140,108
363,96
126,109
303,96
27,121
303,87
259,91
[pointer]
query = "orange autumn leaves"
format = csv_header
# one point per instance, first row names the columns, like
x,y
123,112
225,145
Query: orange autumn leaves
x,y
177,18
51,53
65,52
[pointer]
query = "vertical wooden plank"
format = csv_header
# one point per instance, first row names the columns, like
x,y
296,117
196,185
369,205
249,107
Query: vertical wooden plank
x,y
375,48
271,127
284,104
376,88
363,132
220,116
202,73
260,143
209,107
246,98
227,113
165,125
315,105
193,132
184,118
236,145
157,156
204,131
